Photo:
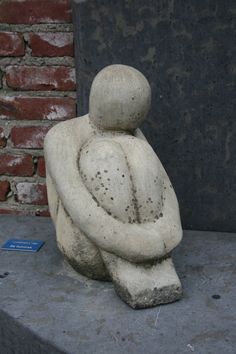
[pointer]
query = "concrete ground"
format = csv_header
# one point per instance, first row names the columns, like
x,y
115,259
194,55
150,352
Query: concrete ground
x,y
45,307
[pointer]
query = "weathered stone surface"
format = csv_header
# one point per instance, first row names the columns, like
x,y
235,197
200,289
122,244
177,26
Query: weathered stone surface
x,y
144,285
42,299
186,49
114,208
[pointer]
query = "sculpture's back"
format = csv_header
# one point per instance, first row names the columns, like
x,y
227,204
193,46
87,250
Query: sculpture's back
x,y
117,216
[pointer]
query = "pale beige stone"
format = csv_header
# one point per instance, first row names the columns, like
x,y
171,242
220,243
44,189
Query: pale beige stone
x,y
114,208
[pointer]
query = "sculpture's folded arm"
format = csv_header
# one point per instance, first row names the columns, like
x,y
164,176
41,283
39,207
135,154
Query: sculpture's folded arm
x,y
62,146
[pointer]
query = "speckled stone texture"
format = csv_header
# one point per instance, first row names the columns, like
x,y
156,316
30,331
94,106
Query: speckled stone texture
x,y
47,308
187,52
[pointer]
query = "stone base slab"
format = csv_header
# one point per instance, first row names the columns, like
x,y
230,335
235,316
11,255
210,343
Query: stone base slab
x,y
46,307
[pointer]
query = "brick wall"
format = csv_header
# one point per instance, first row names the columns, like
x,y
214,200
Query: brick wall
x,y
37,89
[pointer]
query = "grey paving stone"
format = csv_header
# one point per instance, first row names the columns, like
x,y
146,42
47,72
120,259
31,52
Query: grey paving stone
x,y
45,307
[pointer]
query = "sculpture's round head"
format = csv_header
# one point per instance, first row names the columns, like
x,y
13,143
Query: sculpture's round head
x,y
119,99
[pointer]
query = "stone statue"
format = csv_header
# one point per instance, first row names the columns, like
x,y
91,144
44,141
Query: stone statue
x,y
112,203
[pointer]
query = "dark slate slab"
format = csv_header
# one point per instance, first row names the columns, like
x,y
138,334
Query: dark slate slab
x,y
45,307
187,51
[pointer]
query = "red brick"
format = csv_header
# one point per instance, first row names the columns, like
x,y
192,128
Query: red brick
x,y
42,108
15,211
16,165
51,44
31,193
28,137
3,140
41,170
35,11
4,190
12,44
41,78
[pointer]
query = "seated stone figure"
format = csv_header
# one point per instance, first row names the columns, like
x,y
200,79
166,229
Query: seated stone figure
x,y
114,209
